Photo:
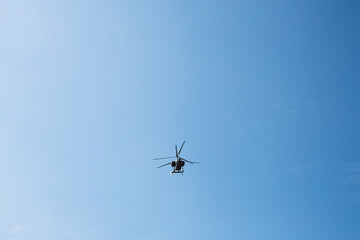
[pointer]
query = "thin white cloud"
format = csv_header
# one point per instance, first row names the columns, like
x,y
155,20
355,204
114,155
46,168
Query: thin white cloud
x,y
16,229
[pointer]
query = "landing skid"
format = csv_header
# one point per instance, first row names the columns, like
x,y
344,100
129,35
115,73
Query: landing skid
x,y
182,172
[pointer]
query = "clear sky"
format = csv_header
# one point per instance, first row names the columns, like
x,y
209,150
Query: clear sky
x,y
266,94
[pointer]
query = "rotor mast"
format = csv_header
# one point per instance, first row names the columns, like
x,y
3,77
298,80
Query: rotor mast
x,y
177,154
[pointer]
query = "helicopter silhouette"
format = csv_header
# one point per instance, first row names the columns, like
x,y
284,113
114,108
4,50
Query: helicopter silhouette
x,y
178,164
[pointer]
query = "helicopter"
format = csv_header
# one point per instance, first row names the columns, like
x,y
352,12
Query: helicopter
x,y
178,164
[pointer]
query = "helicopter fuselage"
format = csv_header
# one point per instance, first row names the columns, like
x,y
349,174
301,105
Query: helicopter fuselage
x,y
177,166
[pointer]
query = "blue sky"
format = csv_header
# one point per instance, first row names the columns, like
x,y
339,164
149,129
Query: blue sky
x,y
265,94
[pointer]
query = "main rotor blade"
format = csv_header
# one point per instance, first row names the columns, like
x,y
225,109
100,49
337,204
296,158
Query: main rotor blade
x,y
188,161
164,165
181,147
163,158
176,151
